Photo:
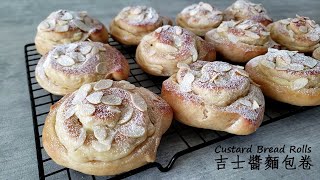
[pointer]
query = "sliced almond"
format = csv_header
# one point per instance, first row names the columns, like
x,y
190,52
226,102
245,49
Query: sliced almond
x,y
94,50
81,57
85,120
100,132
316,53
214,77
70,112
103,84
158,30
165,47
100,147
299,83
85,49
95,98
193,12
138,102
133,131
285,21
63,28
291,34
186,83
245,102
178,30
207,7
126,115
67,16
268,64
242,72
61,22
222,67
303,29
65,60
295,67
310,62
111,100
72,47
205,77
255,105
81,25
81,94
44,25
85,109
194,54
102,68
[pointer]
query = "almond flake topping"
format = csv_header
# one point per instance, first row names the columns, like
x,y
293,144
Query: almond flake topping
x,y
126,115
95,98
85,109
186,83
255,105
295,67
111,100
245,102
85,49
100,132
65,60
102,68
103,84
138,102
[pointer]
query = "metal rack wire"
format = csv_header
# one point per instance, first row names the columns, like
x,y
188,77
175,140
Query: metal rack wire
x,y
176,142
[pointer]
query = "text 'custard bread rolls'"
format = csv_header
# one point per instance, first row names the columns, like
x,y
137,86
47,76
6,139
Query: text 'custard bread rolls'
x,y
244,9
287,76
239,41
134,22
67,67
160,51
215,95
63,27
199,18
297,34
106,128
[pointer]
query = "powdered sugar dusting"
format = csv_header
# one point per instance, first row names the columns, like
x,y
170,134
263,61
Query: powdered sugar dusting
x,y
138,15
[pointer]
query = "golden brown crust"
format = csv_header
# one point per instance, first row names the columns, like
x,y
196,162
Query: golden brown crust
x,y
132,23
160,51
296,34
63,27
244,9
160,115
239,41
292,86
63,70
199,18
219,105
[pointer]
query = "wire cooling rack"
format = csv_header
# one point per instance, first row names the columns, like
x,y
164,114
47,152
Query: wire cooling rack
x,y
176,142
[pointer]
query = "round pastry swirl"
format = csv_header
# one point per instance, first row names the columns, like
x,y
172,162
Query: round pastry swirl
x,y
63,27
244,9
106,128
65,68
297,34
239,41
160,51
199,18
215,95
134,22
287,76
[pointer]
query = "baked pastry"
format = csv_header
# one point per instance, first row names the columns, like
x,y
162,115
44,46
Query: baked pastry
x,y
215,95
134,22
296,34
316,53
160,51
106,128
67,67
199,18
287,76
244,9
239,41
63,27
